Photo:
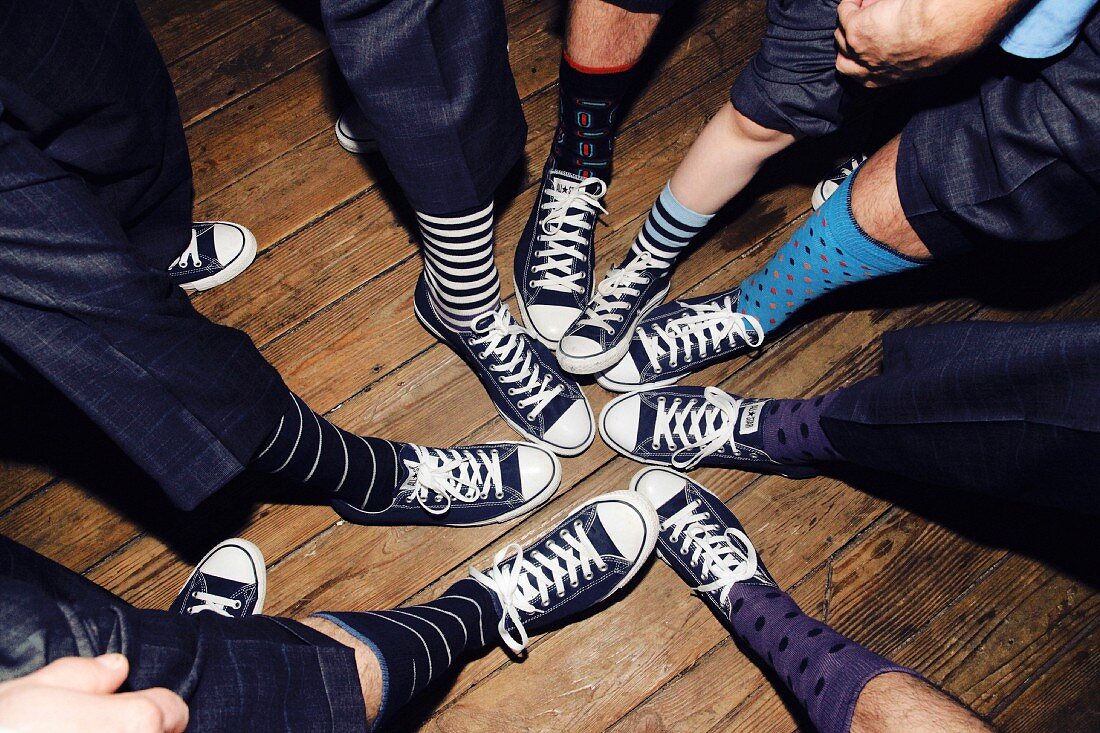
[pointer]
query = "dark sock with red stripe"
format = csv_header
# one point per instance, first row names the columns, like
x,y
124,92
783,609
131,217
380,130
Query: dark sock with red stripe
x,y
589,103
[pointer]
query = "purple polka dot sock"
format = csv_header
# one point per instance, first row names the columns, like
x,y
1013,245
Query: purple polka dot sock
x,y
823,669
792,433
827,252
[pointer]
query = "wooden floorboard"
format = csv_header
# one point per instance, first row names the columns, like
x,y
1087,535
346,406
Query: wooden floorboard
x,y
328,301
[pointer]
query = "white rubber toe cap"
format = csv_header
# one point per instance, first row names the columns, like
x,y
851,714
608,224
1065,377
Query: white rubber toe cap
x,y
630,523
539,471
624,374
619,422
573,431
237,560
658,484
579,347
551,321
229,241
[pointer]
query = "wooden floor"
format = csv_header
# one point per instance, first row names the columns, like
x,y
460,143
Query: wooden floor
x,y
998,606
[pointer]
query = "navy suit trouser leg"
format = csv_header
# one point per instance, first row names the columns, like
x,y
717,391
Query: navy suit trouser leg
x,y
95,200
1006,409
256,674
433,80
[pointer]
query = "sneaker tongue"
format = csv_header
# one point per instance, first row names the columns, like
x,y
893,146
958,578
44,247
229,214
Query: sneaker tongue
x,y
561,179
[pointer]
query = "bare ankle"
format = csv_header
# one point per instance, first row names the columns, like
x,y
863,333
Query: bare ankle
x,y
366,663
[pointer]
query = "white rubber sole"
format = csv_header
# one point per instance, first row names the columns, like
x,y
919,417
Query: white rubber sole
x,y
257,559
356,147
817,198
557,449
606,359
613,386
234,268
358,516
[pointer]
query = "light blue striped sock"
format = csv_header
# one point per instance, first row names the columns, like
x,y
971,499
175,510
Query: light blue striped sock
x,y
669,228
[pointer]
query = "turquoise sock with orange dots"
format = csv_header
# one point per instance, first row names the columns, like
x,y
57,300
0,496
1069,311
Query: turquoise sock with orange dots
x,y
828,252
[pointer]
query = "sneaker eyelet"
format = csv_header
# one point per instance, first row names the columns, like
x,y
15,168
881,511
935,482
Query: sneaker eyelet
x,y
530,418
589,576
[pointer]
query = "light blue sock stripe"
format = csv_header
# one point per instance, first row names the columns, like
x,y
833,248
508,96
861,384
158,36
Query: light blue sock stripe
x,y
681,213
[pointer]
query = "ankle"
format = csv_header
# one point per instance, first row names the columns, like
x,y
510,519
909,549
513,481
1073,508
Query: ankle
x,y
367,665
793,432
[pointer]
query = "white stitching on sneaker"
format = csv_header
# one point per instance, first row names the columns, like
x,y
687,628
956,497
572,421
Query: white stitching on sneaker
x,y
501,336
703,329
517,585
562,247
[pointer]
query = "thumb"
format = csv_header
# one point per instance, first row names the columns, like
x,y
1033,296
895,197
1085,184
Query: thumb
x,y
100,675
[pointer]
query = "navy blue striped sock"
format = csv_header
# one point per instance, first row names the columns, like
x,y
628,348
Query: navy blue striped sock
x,y
307,448
458,263
417,645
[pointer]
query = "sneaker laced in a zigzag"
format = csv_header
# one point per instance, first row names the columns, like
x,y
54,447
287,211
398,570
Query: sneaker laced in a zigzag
x,y
190,255
616,292
725,557
499,335
568,205
454,474
212,602
697,427
699,333
526,579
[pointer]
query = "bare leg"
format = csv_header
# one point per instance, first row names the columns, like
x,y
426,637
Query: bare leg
x,y
600,35
900,703
723,159
370,671
876,204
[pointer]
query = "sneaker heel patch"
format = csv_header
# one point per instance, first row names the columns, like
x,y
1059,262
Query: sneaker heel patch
x,y
750,418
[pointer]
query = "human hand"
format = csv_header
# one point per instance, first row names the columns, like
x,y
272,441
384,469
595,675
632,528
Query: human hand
x,y
883,42
76,694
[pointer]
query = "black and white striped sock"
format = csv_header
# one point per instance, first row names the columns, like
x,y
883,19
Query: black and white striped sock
x,y
416,645
668,229
458,262
307,448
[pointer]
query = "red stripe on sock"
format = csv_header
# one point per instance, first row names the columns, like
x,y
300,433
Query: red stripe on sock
x,y
595,69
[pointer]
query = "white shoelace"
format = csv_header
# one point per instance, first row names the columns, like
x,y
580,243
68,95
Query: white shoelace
x,y
502,337
212,602
705,426
536,576
191,254
700,332
610,294
568,205
454,475
716,553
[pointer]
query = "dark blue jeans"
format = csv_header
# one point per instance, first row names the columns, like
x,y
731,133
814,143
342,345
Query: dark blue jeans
x,y
1006,409
257,674
95,202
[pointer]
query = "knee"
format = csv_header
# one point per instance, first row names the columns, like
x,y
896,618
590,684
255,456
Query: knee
x,y
746,129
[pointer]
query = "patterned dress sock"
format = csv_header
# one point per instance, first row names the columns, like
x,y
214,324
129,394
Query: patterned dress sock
x,y
828,252
823,669
588,111
307,448
416,645
792,432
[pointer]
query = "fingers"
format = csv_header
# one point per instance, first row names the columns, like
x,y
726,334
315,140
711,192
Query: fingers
x,y
100,675
851,68
155,710
846,11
